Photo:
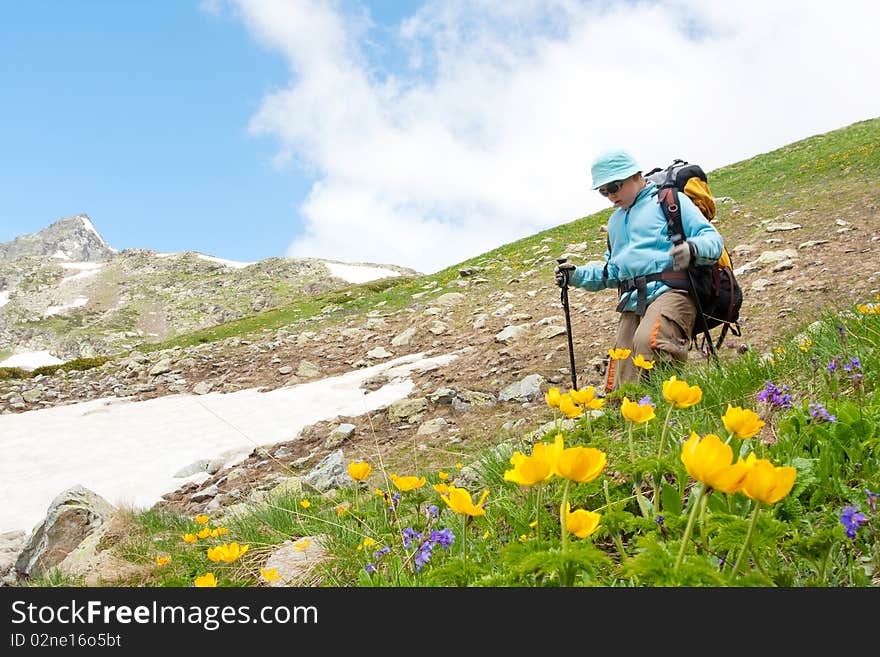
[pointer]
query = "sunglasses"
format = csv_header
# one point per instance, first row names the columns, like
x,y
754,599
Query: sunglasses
x,y
611,188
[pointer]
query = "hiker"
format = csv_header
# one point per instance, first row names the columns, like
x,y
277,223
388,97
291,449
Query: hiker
x,y
655,319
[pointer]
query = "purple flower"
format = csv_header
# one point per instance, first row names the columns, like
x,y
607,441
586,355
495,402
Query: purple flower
x,y
854,365
410,536
423,555
833,364
820,413
646,401
851,519
370,568
432,511
776,396
872,500
659,520
443,537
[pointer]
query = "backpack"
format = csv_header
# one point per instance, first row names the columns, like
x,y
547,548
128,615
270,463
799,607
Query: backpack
x,y
714,287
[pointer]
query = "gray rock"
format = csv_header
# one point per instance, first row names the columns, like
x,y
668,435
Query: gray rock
x,y
339,435
307,370
510,333
404,338
527,389
330,473
407,410
450,299
71,517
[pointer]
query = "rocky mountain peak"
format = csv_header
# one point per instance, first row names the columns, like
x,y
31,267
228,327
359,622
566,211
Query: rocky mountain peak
x,y
70,238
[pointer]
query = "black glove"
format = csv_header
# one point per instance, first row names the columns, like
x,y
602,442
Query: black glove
x,y
564,272
682,255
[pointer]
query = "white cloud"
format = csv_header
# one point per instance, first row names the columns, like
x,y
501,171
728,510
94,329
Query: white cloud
x,y
485,133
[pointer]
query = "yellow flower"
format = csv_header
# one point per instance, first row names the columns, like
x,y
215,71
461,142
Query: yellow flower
x,y
619,354
569,408
207,579
360,470
305,504
552,397
442,476
581,523
407,483
680,393
459,500
341,509
379,491
190,538
204,532
162,561
635,412
227,552
742,423
766,482
709,460
533,524
459,465
586,397
441,488
805,345
202,520
270,575
639,361
533,469
485,534
580,464
219,531
302,545
368,542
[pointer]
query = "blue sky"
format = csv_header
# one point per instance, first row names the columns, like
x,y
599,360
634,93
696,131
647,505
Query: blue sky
x,y
411,133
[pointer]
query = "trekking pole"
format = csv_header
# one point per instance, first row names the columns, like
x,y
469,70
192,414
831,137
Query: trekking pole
x,y
564,295
678,239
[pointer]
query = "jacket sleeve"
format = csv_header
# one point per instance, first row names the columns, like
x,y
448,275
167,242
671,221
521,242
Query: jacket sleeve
x,y
702,235
592,276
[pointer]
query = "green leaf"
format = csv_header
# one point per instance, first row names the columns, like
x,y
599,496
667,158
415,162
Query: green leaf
x,y
670,499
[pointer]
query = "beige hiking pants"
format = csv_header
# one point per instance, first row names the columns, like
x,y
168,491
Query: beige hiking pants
x,y
662,334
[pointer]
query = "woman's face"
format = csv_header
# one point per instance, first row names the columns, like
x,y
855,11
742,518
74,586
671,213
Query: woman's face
x,y
621,193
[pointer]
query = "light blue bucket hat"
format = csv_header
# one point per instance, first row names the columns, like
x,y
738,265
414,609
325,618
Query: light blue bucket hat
x,y
611,165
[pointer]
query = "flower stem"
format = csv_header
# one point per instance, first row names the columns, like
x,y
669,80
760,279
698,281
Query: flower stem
x,y
464,519
538,511
562,508
748,540
632,451
617,540
665,429
695,505
564,574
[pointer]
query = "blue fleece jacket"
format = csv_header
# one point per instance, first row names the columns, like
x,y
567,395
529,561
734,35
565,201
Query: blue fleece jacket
x,y
640,245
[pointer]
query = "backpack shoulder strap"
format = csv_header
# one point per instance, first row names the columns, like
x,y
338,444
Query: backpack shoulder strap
x,y
667,197
668,200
